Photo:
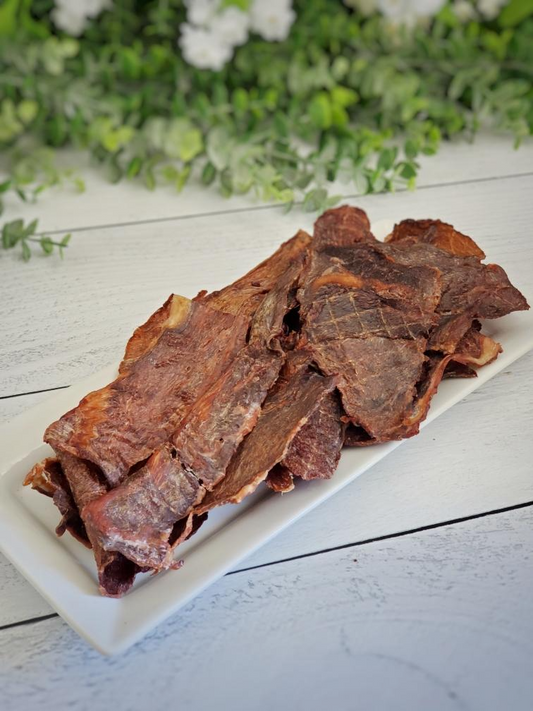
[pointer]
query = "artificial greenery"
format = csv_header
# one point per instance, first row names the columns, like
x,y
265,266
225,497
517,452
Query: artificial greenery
x,y
345,99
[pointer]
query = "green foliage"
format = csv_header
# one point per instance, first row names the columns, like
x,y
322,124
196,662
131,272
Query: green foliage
x,y
17,234
345,100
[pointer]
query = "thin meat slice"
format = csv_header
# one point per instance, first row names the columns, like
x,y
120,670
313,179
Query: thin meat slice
x,y
47,478
377,380
437,233
342,227
136,519
122,424
169,316
315,451
245,295
285,411
203,446
115,573
473,351
470,289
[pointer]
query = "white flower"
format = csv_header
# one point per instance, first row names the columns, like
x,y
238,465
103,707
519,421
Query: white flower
x,y
200,12
231,26
72,15
464,10
490,8
69,20
408,12
272,19
203,49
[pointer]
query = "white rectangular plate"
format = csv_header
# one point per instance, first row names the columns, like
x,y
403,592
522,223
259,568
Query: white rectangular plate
x,y
63,571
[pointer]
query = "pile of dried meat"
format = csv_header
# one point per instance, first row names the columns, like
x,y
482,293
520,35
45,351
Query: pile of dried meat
x,y
336,339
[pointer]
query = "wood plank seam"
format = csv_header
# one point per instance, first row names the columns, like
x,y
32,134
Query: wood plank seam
x,y
400,534
276,206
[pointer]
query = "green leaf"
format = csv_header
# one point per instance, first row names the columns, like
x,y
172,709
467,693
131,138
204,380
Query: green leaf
x,y
208,174
30,229
27,110
320,111
183,140
314,199
515,12
220,146
134,167
8,17
47,245
26,251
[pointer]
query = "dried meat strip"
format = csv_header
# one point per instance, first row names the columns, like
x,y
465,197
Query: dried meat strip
x,y
285,411
47,478
245,295
123,423
202,447
316,449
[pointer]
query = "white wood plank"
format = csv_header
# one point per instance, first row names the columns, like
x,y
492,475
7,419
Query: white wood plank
x,y
439,620
63,320
474,458
13,406
104,204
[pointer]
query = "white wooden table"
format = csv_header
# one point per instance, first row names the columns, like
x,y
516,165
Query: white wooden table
x,y
412,589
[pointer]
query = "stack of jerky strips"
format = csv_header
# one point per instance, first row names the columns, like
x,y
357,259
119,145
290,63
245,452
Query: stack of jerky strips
x,y
336,339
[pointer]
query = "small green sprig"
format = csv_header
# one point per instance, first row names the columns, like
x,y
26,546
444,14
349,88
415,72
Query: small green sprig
x,y
18,234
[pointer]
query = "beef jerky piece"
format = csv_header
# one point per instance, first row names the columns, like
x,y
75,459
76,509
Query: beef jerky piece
x,y
137,518
244,296
210,434
267,327
315,451
470,289
169,316
342,226
475,349
370,269
204,443
437,233
280,480
47,478
285,411
377,379
122,424
360,312
115,573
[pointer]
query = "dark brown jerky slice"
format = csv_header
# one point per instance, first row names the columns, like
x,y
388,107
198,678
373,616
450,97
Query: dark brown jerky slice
x,y
285,411
470,289
204,442
342,226
475,349
216,425
437,233
115,573
377,379
122,424
137,518
315,451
